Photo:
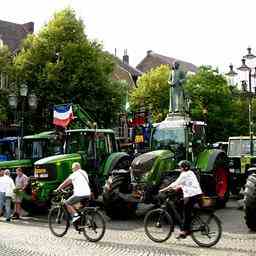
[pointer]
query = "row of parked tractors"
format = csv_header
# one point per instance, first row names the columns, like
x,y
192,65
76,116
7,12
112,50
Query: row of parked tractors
x,y
125,181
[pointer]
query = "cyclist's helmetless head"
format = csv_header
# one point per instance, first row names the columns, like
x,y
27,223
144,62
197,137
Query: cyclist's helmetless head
x,y
76,166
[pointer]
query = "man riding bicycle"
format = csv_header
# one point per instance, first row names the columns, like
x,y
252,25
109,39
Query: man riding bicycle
x,y
81,189
187,181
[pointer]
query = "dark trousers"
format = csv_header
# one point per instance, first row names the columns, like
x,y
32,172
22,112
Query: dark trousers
x,y
189,202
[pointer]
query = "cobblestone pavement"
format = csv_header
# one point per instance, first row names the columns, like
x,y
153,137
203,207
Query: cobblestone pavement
x,y
31,236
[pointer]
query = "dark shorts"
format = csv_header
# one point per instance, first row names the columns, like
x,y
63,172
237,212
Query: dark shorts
x,y
76,199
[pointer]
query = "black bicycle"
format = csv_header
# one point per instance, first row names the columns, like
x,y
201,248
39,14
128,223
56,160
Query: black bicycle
x,y
91,222
206,229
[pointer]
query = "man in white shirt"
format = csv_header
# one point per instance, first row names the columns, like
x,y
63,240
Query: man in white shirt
x,y
81,189
2,191
187,181
9,194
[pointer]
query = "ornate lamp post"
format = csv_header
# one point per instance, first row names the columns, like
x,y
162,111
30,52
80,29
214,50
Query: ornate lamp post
x,y
245,68
14,101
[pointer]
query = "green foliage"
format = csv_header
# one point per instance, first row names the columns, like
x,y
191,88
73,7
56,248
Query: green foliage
x,y
61,65
7,72
152,92
212,101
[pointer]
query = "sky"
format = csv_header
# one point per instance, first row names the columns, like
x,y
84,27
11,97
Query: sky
x,y
203,32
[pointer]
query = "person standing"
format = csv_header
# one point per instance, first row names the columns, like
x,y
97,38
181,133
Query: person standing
x,y
2,191
21,182
9,194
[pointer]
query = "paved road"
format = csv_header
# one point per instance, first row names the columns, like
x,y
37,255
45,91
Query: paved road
x,y
31,236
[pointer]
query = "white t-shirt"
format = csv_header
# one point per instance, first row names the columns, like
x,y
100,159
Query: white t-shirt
x,y
189,184
9,186
2,184
80,180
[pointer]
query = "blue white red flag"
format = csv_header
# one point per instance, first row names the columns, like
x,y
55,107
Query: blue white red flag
x,y
62,115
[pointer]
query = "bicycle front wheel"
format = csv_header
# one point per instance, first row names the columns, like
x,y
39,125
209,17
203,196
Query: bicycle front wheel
x,y
158,225
94,226
58,221
206,229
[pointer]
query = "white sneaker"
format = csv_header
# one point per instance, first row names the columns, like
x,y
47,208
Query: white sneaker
x,y
75,218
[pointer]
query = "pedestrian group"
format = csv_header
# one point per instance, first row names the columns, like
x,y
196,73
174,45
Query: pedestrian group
x,y
11,192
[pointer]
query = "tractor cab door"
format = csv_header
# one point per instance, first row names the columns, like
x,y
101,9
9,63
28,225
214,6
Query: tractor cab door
x,y
104,145
197,136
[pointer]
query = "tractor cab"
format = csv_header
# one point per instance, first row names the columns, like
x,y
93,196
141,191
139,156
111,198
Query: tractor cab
x,y
185,138
8,147
240,160
94,146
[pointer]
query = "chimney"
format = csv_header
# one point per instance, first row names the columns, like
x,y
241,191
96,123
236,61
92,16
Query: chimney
x,y
29,27
149,52
125,57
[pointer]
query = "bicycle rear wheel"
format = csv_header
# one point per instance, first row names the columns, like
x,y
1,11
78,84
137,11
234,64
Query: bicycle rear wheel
x,y
58,221
94,226
206,229
158,225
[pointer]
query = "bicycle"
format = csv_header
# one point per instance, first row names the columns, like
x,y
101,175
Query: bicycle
x,y
206,229
91,222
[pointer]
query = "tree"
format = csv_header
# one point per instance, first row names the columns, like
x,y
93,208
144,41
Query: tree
x,y
6,72
152,92
60,64
213,102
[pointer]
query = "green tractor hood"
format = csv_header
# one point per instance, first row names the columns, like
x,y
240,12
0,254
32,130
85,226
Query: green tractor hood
x,y
149,166
59,159
16,163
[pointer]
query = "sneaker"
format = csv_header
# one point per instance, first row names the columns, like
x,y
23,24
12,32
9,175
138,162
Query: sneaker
x,y
75,218
15,216
8,220
181,236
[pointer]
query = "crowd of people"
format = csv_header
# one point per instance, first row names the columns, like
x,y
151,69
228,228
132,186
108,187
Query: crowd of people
x,y
11,192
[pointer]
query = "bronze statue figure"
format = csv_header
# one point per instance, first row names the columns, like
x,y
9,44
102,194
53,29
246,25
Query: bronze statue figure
x,y
176,80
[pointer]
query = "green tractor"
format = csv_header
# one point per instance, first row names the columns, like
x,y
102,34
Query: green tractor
x,y
174,139
240,161
250,201
97,152
34,147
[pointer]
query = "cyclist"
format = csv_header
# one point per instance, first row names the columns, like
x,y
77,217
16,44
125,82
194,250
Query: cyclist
x,y
187,181
81,189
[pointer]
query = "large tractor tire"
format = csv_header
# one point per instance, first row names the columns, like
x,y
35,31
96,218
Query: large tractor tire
x,y
123,163
115,206
250,202
222,186
216,182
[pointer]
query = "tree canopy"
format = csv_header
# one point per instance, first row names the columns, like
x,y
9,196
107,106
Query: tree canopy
x,y
225,111
61,65
212,101
152,92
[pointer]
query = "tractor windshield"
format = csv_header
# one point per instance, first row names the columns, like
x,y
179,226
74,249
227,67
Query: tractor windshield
x,y
168,138
239,147
40,148
7,149
77,142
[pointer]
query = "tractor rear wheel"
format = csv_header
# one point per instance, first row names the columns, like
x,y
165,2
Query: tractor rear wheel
x,y
250,202
115,206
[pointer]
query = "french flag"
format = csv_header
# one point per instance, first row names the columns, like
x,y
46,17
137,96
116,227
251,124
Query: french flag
x,y
62,115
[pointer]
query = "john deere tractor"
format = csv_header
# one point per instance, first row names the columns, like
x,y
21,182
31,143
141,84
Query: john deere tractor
x,y
96,150
174,139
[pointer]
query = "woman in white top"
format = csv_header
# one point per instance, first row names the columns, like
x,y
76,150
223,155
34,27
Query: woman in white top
x,y
187,181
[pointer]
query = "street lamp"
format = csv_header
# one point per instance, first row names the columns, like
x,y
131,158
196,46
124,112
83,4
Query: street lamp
x,y
14,102
245,68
